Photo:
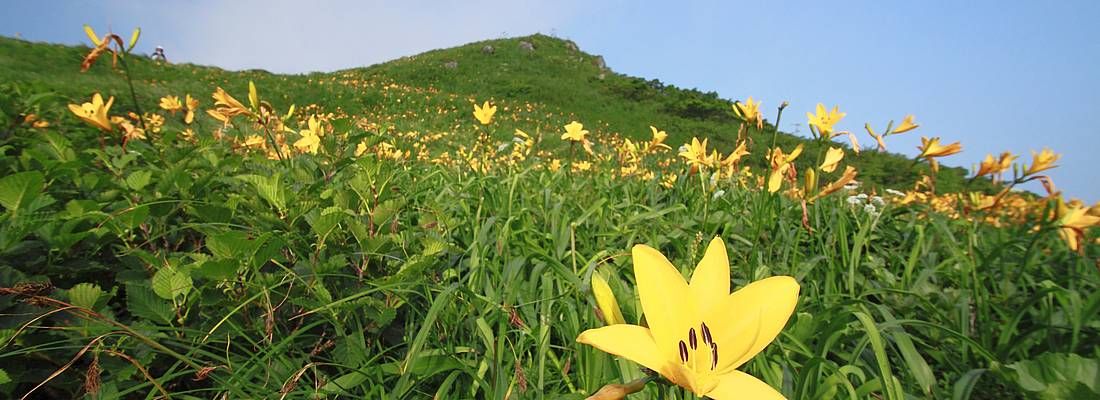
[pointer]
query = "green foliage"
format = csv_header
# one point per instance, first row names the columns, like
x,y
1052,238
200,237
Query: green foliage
x,y
201,270
1057,376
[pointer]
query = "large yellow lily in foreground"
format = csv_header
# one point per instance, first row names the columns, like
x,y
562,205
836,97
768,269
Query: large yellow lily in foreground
x,y
699,333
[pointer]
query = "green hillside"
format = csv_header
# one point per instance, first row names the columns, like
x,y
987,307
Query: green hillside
x,y
380,243
546,88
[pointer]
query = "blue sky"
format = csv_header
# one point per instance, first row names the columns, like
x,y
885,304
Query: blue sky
x,y
994,75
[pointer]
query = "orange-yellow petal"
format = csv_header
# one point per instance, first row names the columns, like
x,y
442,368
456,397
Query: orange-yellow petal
x,y
667,302
710,282
739,385
750,318
631,342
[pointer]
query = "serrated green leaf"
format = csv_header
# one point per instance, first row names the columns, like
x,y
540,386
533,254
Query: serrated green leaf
x,y
139,179
231,244
1058,376
143,302
4,378
270,189
19,190
170,283
85,295
218,269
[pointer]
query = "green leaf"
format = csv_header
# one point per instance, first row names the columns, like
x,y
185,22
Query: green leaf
x,y
1057,376
231,244
4,378
85,295
270,189
19,190
218,269
143,302
170,283
139,179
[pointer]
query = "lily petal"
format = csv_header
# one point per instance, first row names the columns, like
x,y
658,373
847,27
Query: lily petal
x,y
667,302
710,283
739,385
749,319
631,342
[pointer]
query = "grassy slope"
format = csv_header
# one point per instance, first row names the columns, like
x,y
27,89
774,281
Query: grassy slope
x,y
541,90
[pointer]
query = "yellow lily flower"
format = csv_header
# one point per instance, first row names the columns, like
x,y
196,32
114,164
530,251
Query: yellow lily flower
x,y
254,141
878,138
605,300
825,120
1072,223
658,140
226,105
749,111
906,125
192,105
95,113
991,166
832,159
574,132
731,160
781,163
360,149
171,103
931,148
484,113
1039,161
699,333
848,176
311,136
696,153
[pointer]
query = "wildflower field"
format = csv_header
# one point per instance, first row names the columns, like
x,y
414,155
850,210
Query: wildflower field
x,y
492,221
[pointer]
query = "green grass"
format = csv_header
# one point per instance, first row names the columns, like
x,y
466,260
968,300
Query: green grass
x,y
560,84
202,272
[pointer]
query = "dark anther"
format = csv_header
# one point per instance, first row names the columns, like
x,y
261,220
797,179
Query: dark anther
x,y
683,352
713,355
706,334
692,340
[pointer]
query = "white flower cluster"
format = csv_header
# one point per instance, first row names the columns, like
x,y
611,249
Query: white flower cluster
x,y
872,205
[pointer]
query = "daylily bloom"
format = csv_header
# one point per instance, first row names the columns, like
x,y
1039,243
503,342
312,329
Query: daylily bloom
x,y
780,163
749,111
484,113
699,333
906,125
658,140
192,105
832,159
731,160
1041,161
226,105
171,103
991,166
931,148
696,153
574,132
847,177
824,120
254,141
360,149
311,137
878,138
1072,223
605,300
95,113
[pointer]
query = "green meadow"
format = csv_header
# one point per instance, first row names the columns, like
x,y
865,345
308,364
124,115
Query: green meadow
x,y
193,264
